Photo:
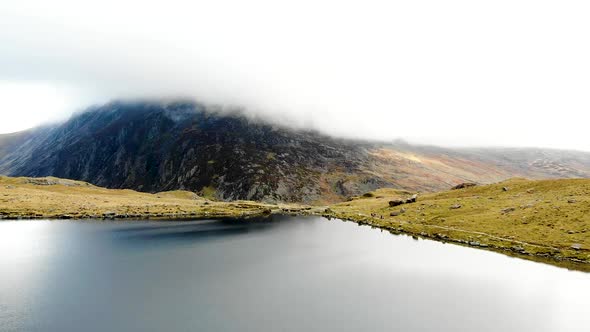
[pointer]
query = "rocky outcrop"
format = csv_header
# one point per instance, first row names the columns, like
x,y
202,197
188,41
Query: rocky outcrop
x,y
397,202
157,147
464,185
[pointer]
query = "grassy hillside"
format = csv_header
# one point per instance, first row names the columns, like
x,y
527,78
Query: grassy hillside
x,y
67,199
547,218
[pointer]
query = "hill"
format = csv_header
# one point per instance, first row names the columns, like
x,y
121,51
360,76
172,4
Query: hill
x,y
55,198
163,146
544,218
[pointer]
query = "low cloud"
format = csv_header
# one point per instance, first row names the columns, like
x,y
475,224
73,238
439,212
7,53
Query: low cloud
x,y
453,73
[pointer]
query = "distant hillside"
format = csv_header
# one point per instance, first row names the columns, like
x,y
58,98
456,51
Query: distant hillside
x,y
152,147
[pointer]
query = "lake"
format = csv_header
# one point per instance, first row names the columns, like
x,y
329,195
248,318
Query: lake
x,y
284,274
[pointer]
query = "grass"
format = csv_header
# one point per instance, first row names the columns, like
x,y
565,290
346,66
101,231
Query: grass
x,y
208,192
546,218
53,198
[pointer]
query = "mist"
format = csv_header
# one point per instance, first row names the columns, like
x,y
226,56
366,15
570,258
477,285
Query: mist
x,y
458,73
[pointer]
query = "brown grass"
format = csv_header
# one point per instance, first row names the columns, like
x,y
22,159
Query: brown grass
x,y
547,218
58,198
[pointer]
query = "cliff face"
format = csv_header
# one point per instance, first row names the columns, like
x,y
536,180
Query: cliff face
x,y
155,147
166,146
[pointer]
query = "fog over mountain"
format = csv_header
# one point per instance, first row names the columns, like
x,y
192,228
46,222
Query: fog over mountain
x,y
459,73
157,146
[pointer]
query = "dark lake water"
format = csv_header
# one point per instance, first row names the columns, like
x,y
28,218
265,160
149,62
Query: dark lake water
x,y
289,274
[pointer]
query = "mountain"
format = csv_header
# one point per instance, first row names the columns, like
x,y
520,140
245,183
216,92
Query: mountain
x,y
160,146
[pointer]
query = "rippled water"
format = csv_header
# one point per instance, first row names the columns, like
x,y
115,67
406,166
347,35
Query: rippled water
x,y
289,274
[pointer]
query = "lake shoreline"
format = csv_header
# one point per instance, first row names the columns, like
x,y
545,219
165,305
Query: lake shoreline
x,y
556,259
470,221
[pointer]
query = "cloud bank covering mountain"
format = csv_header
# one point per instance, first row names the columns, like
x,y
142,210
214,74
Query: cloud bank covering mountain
x,y
507,73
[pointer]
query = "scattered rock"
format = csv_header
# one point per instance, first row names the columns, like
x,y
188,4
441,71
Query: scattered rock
x,y
441,236
508,210
464,185
109,215
576,246
518,249
505,188
455,206
396,202
328,210
41,181
394,214
571,201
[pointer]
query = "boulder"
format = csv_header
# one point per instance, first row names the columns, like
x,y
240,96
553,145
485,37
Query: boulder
x,y
576,246
455,206
518,249
412,199
508,209
109,215
464,185
396,202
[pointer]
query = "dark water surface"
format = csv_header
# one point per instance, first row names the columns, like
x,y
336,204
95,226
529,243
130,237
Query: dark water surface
x,y
290,274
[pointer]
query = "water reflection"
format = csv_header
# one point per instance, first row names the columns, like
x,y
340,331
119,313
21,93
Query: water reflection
x,y
186,232
288,274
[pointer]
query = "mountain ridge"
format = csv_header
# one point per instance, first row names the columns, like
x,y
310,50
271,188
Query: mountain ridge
x,y
183,145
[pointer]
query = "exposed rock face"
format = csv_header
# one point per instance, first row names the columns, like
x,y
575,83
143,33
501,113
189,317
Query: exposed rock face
x,y
153,146
464,185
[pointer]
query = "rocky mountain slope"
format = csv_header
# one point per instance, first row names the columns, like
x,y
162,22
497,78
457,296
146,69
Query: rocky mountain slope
x,y
159,146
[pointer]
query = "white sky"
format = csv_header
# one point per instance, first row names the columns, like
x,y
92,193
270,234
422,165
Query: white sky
x,y
451,72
